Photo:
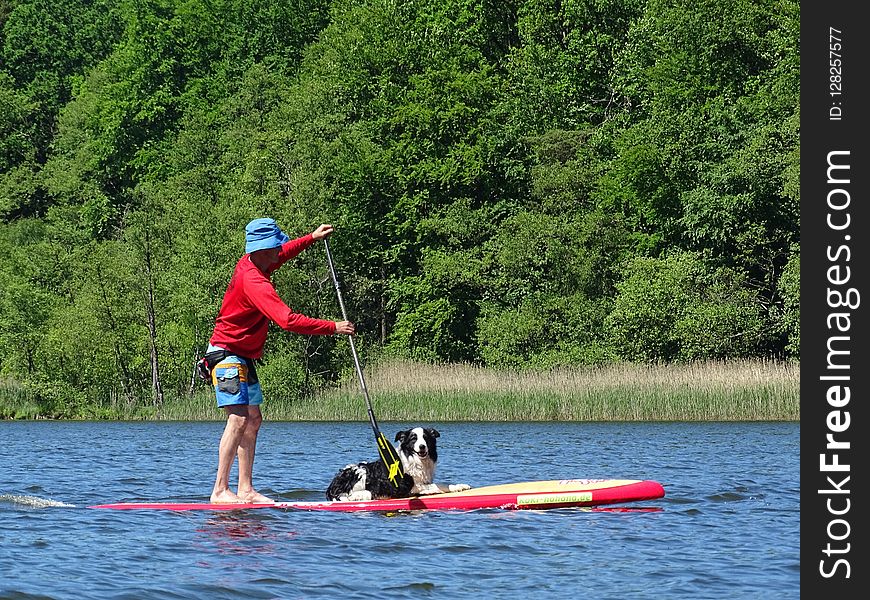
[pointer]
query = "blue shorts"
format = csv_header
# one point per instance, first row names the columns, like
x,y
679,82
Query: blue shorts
x,y
235,383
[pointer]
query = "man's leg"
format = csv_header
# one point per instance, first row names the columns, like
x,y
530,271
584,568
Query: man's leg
x,y
247,450
237,420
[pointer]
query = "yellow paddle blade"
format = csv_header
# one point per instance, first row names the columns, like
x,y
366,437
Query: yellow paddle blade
x,y
391,460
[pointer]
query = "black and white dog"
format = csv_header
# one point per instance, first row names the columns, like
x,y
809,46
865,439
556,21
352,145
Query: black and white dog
x,y
418,453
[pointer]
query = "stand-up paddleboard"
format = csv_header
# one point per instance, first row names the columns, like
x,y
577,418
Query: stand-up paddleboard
x,y
557,493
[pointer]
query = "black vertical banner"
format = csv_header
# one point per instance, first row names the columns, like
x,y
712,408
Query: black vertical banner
x,y
835,371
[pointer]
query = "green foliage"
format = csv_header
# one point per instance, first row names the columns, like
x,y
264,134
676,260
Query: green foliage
x,y
46,46
560,69
25,304
437,311
686,52
524,184
18,110
543,332
677,308
789,288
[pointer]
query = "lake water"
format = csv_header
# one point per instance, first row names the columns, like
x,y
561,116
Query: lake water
x,y
728,525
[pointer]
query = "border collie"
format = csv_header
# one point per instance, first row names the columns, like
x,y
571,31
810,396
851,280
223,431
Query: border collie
x,y
369,480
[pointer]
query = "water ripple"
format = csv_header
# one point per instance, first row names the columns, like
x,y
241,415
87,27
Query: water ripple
x,y
33,501
717,533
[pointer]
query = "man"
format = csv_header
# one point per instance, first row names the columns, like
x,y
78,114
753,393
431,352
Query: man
x,y
249,305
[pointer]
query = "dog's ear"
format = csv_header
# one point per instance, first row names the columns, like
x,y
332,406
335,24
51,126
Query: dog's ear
x,y
433,432
402,435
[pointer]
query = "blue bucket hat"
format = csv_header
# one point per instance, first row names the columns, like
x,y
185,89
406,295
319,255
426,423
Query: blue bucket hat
x,y
262,234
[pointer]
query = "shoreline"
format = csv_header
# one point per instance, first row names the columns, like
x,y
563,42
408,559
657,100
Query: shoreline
x,y
744,390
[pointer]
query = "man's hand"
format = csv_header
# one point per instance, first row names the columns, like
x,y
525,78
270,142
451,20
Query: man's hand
x,y
322,232
344,328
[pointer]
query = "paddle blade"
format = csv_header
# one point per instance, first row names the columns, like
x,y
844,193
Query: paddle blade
x,y
390,460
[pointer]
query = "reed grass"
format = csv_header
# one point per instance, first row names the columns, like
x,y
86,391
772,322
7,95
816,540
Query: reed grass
x,y
748,390
198,407
745,390
16,402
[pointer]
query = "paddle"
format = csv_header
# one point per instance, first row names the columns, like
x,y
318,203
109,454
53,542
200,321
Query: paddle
x,y
385,448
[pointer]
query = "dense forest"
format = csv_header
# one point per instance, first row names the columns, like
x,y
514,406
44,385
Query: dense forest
x,y
514,183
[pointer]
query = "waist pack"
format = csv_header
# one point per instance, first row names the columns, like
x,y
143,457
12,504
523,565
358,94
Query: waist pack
x,y
206,364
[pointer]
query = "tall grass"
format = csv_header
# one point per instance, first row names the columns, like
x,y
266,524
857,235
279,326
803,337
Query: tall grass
x,y
200,406
16,402
746,390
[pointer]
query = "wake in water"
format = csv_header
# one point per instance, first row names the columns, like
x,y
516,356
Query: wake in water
x,y
33,501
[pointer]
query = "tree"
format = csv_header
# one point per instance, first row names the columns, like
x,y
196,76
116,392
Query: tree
x,y
789,288
677,308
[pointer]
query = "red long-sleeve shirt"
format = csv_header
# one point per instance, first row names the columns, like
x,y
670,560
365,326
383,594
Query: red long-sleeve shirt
x,y
251,301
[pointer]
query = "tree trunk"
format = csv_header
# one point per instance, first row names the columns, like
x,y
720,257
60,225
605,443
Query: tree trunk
x,y
196,357
156,386
383,310
126,383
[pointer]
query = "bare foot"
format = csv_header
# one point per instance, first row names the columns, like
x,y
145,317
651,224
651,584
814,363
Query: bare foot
x,y
255,497
225,497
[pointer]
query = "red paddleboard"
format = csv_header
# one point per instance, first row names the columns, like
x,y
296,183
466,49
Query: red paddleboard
x,y
557,493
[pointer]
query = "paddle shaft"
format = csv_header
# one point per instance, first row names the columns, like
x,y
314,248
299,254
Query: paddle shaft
x,y
356,363
386,450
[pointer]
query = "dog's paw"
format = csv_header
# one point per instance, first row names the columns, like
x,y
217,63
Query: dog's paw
x,y
459,487
360,496
428,490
